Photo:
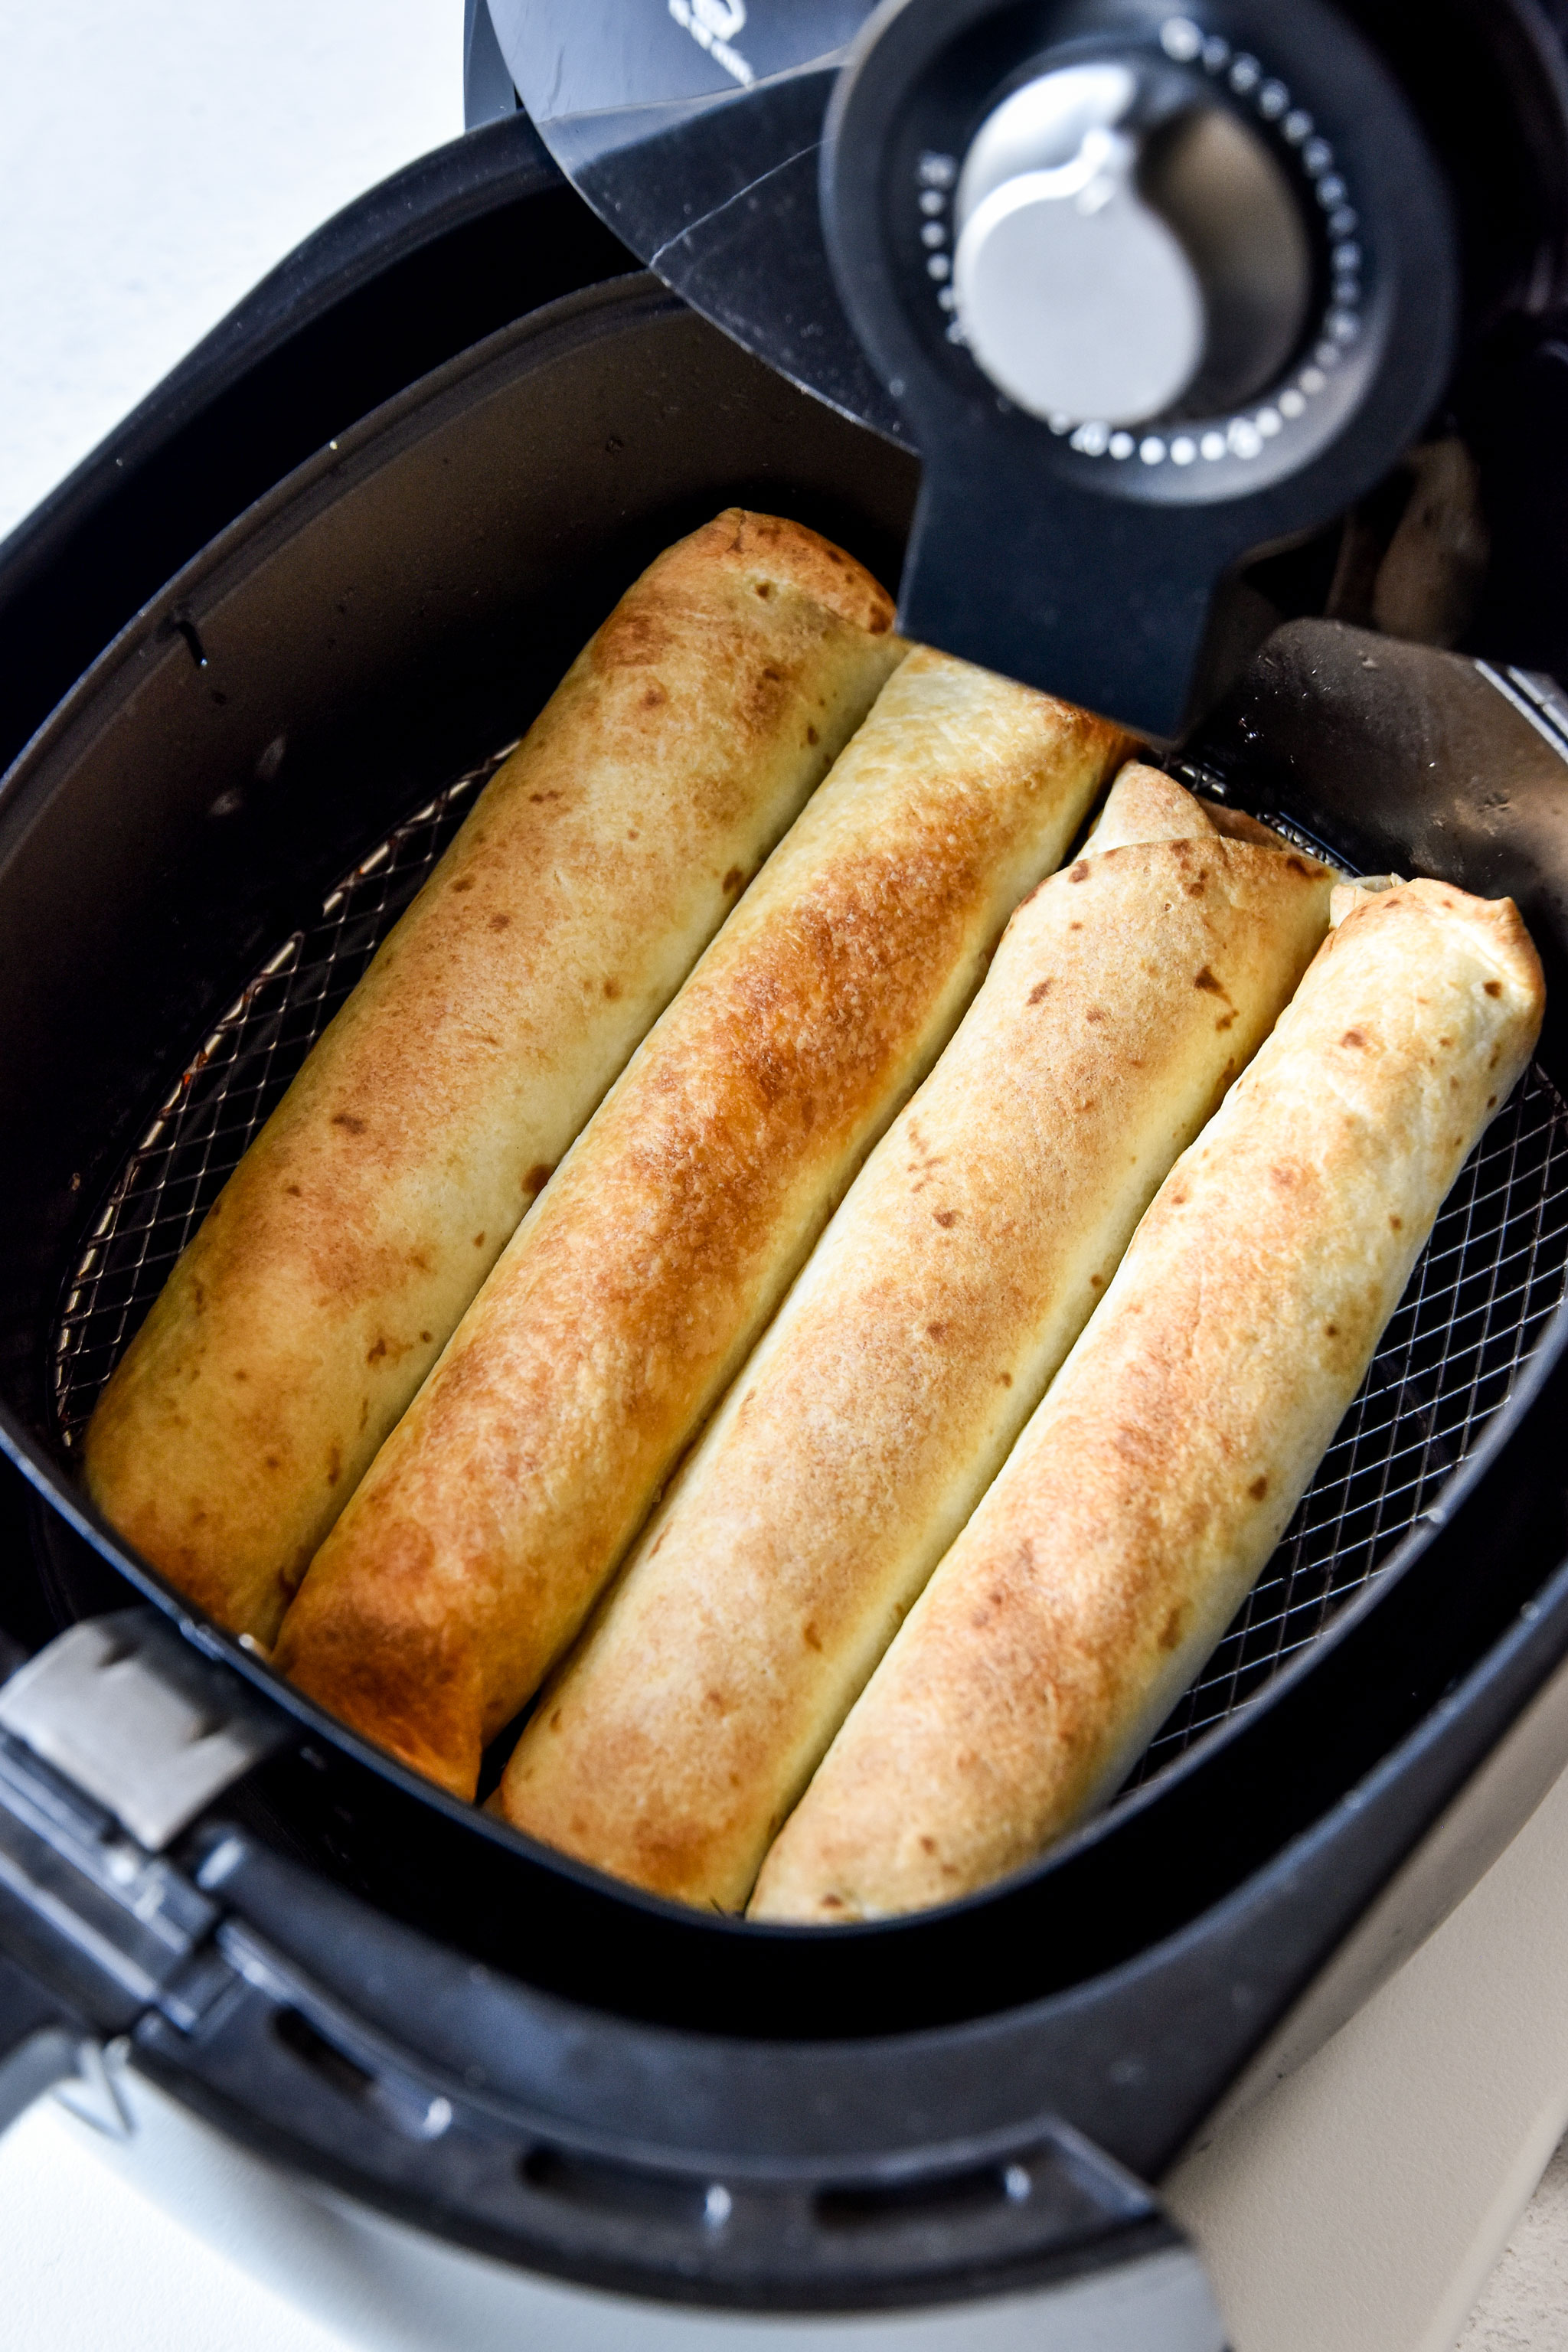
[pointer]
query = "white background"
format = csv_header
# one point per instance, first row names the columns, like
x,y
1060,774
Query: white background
x,y
156,158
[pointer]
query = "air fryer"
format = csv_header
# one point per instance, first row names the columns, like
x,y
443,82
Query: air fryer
x,y
266,645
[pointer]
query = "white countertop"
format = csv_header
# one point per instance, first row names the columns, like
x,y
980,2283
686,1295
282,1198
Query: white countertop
x,y
156,160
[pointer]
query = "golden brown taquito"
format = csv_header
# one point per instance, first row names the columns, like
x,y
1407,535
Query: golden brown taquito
x,y
592,872
1154,1481
503,1501
963,1263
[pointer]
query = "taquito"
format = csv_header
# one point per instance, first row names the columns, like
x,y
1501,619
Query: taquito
x,y
1156,1478
592,872
505,1498
962,1266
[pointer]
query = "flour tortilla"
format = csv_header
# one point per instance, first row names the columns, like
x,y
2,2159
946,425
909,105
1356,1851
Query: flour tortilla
x,y
965,1260
592,872
507,1497
1155,1480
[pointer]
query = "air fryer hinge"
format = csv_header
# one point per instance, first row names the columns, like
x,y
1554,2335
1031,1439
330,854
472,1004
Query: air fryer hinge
x,y
111,1740
123,1707
94,1931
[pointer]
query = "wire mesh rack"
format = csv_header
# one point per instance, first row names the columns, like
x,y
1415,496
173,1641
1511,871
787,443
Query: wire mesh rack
x,y
1491,1274
1491,1277
238,1075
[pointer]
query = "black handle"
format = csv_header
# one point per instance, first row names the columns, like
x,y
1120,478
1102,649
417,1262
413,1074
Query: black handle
x,y
1105,604
1039,2211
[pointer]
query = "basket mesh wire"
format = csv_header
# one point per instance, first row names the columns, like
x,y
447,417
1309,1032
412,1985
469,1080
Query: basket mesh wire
x,y
236,1077
1489,1279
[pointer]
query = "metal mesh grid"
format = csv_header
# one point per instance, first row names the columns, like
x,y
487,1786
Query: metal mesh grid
x,y
238,1075
1492,1274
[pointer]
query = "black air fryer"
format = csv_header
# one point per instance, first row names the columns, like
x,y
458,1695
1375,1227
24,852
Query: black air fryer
x,y
1207,365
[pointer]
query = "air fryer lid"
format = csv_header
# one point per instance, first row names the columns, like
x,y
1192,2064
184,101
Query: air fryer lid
x,y
386,619
1149,289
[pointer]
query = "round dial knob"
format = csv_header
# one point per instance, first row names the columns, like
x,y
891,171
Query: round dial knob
x,y
1123,253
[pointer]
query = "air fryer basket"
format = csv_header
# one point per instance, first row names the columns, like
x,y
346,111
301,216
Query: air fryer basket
x,y
1486,1287
199,852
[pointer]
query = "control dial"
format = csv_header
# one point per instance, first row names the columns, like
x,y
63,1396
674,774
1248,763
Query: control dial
x,y
1152,299
1126,248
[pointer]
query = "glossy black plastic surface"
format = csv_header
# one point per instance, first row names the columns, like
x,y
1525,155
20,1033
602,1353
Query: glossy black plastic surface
x,y
702,152
441,254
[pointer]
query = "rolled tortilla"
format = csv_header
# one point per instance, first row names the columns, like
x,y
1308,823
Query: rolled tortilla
x,y
963,1265
1158,1475
596,865
505,1498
